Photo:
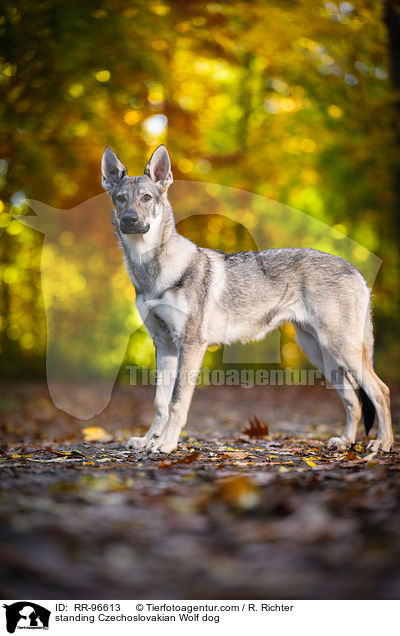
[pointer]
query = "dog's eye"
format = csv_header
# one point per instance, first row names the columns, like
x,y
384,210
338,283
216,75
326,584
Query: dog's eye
x,y
121,198
146,197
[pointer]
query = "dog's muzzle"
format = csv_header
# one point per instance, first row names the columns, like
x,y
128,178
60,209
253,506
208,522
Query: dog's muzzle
x,y
129,225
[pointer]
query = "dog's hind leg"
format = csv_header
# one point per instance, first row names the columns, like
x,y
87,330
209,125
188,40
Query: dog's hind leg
x,y
347,387
190,358
379,395
348,391
352,350
167,363
353,346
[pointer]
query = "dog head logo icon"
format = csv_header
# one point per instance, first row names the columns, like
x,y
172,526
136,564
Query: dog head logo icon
x,y
26,614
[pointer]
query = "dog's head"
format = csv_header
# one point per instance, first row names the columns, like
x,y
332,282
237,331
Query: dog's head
x,y
137,200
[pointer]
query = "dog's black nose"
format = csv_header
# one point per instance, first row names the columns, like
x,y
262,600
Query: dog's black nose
x,y
128,222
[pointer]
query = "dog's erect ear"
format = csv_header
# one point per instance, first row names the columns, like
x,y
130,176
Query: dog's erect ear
x,y
112,169
159,167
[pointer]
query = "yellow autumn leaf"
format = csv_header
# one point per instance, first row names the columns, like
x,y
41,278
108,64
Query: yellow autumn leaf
x,y
235,454
95,434
309,462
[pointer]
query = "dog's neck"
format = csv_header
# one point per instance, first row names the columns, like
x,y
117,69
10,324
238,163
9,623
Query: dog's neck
x,y
156,259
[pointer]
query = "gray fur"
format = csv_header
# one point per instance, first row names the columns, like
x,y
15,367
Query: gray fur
x,y
191,297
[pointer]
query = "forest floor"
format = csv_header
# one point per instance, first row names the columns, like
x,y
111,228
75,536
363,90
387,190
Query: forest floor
x,y
267,514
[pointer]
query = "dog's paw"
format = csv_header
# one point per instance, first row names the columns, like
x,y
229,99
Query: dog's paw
x,y
161,445
339,443
138,443
380,445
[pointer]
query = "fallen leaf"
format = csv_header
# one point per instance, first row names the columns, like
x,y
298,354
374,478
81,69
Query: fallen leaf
x,y
186,459
235,455
238,491
256,429
350,456
309,462
95,434
51,450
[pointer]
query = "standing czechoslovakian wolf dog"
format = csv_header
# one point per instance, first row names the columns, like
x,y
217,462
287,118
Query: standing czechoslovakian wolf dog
x,y
191,297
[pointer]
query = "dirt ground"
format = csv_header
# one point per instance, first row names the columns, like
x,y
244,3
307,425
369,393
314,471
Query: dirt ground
x,y
270,513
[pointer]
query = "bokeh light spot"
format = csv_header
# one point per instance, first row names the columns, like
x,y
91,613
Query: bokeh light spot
x,y
334,111
155,125
185,165
76,90
103,76
132,117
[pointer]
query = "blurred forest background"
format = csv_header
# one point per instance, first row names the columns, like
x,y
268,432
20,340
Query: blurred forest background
x,y
296,101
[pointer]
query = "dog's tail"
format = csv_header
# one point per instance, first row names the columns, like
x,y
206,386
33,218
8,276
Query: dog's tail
x,y
368,409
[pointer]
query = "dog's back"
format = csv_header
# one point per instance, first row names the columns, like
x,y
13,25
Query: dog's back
x,y
261,290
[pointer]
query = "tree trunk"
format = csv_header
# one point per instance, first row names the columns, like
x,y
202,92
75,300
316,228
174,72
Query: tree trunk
x,y
392,21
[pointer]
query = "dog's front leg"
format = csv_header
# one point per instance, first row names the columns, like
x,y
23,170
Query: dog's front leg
x,y
190,358
167,363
